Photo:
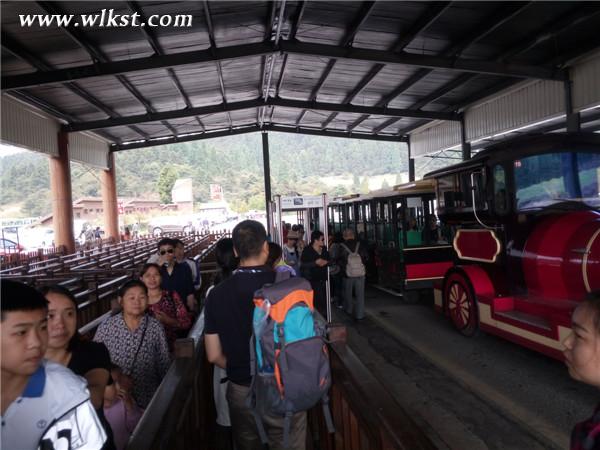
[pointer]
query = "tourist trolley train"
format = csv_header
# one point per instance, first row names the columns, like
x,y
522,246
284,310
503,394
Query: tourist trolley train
x,y
526,224
404,259
519,241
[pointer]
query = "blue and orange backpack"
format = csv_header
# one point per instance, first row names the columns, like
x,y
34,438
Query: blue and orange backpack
x,y
289,357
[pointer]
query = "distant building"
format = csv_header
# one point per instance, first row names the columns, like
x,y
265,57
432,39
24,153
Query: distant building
x,y
90,209
183,195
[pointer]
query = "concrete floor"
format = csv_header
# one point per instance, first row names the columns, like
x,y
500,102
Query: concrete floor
x,y
469,393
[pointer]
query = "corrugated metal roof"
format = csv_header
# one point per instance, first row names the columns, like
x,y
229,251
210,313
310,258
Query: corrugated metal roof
x,y
369,54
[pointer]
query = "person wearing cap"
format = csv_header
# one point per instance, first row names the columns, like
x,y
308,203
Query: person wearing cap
x,y
290,250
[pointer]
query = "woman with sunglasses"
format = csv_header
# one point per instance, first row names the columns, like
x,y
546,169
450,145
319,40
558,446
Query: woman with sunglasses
x,y
166,306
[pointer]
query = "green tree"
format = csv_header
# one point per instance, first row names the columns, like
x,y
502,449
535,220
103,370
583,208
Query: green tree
x,y
38,203
166,180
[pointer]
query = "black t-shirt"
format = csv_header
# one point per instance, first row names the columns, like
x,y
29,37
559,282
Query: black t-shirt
x,y
88,355
228,313
309,268
180,280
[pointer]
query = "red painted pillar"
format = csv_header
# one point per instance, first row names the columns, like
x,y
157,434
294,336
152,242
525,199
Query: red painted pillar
x,y
62,198
109,200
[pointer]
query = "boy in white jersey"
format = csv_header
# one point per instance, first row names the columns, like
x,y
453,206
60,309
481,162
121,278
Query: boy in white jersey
x,y
43,404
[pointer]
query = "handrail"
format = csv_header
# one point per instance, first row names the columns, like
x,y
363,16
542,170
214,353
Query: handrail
x,y
172,394
375,413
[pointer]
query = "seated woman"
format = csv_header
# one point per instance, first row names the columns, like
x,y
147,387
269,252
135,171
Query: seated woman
x,y
136,343
67,347
166,306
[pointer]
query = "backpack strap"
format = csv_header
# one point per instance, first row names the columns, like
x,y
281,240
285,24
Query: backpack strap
x,y
287,424
251,400
350,251
260,427
282,276
327,414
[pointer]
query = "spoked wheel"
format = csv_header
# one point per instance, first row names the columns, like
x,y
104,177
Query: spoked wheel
x,y
461,304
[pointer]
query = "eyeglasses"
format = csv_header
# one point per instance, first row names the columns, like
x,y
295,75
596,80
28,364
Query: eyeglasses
x,y
170,250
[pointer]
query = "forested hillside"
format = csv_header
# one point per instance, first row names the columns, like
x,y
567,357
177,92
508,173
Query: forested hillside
x,y
299,163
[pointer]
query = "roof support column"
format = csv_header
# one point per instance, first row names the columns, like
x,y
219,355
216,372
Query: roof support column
x,y
267,175
411,163
62,198
109,200
573,118
466,146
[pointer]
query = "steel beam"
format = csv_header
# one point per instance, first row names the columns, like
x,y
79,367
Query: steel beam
x,y
573,117
411,161
128,66
266,174
338,134
97,56
431,14
426,61
292,35
213,51
498,18
575,16
257,103
21,52
346,41
292,47
266,88
465,145
165,140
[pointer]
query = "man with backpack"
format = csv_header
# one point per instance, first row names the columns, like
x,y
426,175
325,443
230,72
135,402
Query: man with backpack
x,y
352,259
228,328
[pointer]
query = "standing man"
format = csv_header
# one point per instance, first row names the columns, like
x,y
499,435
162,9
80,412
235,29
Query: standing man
x,y
181,259
228,328
175,276
352,261
44,405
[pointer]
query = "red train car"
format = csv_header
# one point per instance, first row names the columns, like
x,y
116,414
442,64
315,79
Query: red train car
x,y
525,216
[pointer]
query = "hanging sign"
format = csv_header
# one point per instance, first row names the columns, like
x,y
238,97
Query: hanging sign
x,y
302,202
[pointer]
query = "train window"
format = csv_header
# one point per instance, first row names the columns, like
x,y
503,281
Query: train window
x,y
455,191
351,213
561,177
500,193
446,187
367,212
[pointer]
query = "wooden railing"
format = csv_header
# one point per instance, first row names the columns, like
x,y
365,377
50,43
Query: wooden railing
x,y
181,416
95,278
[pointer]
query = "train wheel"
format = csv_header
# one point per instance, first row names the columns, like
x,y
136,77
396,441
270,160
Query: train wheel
x,y
461,304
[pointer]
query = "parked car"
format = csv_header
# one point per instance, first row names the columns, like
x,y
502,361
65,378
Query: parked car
x,y
170,224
